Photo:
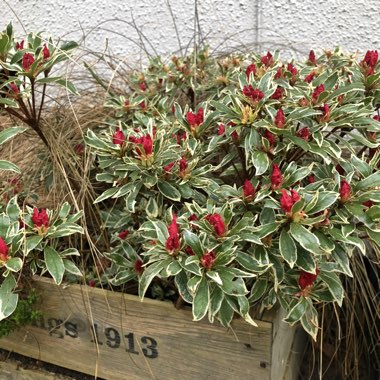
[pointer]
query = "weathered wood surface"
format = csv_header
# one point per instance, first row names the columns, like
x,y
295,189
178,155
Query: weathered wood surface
x,y
115,336
13,370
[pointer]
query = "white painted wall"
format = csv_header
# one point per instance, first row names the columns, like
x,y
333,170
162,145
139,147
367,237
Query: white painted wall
x,y
295,25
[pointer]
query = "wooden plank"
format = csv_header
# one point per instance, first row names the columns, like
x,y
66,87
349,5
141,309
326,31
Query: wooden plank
x,y
283,337
13,370
115,336
296,355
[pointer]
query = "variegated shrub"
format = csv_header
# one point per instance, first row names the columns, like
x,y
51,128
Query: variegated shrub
x,y
242,180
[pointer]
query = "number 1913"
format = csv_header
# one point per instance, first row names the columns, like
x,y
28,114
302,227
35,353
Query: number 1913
x,y
113,340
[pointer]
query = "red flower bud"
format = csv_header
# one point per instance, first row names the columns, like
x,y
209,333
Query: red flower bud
x,y
270,137
248,190
189,251
3,250
221,130
286,201
326,112
138,267
40,218
253,93
306,279
217,222
91,283
21,224
304,133
278,93
147,144
27,61
309,78
142,86
195,119
123,234
179,137
311,178
295,196
267,60
276,177
344,191
339,169
312,58
371,58
368,203
250,69
208,259
172,242
45,52
235,136
279,73
279,119
317,91
14,88
292,69
183,165
20,45
193,218
168,167
118,138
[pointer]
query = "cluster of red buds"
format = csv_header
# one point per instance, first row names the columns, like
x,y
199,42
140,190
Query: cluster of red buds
x,y
369,62
276,177
40,218
217,222
306,281
267,60
195,119
248,191
172,242
254,94
208,259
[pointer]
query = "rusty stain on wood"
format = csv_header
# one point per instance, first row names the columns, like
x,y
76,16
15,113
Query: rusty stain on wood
x,y
116,336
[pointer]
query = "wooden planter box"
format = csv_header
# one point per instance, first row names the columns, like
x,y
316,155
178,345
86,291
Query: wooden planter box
x,y
116,336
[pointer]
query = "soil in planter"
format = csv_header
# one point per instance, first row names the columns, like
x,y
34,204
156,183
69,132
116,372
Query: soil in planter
x,y
29,363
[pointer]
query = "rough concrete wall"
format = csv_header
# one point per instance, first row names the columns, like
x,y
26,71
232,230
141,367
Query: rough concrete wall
x,y
114,23
293,25
306,24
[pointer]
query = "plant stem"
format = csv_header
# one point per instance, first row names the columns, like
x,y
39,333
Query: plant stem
x,y
233,164
42,102
24,108
242,160
15,114
33,98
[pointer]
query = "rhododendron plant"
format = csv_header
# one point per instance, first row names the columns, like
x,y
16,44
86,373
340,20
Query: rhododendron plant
x,y
261,182
29,241
30,245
